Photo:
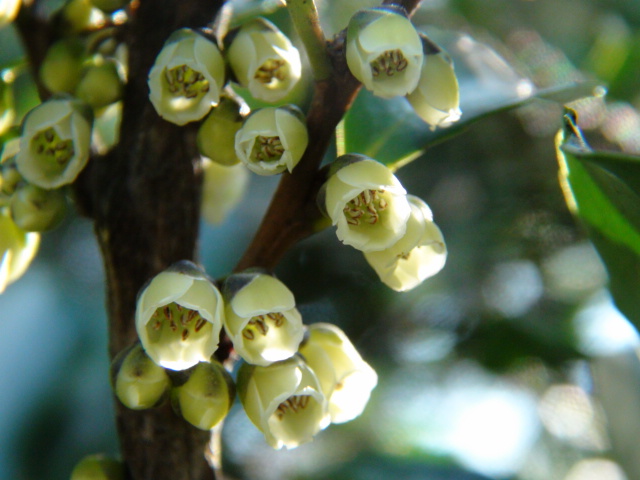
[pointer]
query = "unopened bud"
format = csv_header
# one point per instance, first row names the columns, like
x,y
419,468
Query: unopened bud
x,y
62,65
216,136
98,467
35,209
100,85
139,382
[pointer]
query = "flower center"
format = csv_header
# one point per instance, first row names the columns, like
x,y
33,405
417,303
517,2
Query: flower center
x,y
272,68
177,319
390,62
184,81
267,149
50,147
366,207
260,324
293,404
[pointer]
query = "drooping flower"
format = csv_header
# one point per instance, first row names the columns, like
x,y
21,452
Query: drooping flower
x,y
264,60
139,383
54,146
384,51
418,255
261,318
206,397
272,140
346,379
366,202
222,189
187,77
179,316
437,98
17,250
284,400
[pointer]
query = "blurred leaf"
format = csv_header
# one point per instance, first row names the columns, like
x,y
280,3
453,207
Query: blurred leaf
x,y
603,188
390,132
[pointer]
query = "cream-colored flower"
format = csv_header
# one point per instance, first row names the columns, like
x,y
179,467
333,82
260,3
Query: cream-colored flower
x,y
222,189
284,400
264,60
206,397
272,140
367,203
8,11
437,98
346,379
179,316
418,255
139,382
55,141
261,318
187,77
17,249
384,51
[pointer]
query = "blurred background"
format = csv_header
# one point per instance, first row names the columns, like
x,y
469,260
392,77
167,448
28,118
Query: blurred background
x,y
511,363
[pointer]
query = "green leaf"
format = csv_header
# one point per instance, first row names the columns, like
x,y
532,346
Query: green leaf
x,y
603,189
390,132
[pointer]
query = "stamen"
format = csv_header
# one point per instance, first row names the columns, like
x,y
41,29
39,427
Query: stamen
x,y
199,324
389,62
267,148
366,206
183,81
185,334
248,334
294,404
272,68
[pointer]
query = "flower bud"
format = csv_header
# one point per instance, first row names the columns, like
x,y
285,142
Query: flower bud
x,y
216,135
264,60
17,249
54,146
139,383
109,6
346,379
179,317
35,209
206,397
384,51
100,85
79,15
437,98
418,255
272,140
366,202
7,109
284,400
8,11
222,189
98,467
186,78
10,178
261,318
62,65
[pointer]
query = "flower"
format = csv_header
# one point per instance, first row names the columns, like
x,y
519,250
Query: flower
x,y
98,467
261,318
206,397
272,140
222,189
54,146
346,379
264,60
437,98
186,78
35,209
418,255
284,400
139,382
384,51
179,317
17,249
8,11
216,135
366,202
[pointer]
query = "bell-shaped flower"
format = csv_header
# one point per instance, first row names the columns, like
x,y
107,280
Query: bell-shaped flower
x,y
179,316
55,141
8,11
138,382
366,202
222,189
261,318
437,98
35,209
346,379
98,467
284,400
418,255
216,135
264,60
384,51
206,397
272,140
17,249
187,77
